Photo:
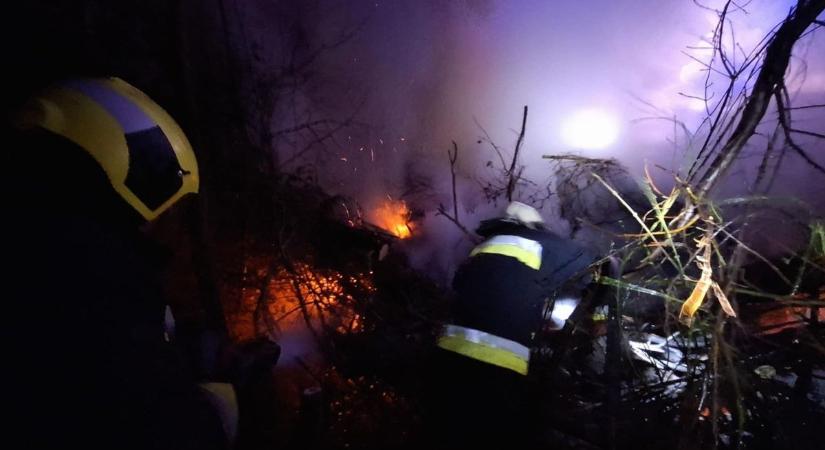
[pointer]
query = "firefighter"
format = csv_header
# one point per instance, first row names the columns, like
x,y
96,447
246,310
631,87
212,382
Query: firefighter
x,y
93,362
501,292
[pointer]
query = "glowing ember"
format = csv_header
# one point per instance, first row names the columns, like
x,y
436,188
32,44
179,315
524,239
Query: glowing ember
x,y
394,217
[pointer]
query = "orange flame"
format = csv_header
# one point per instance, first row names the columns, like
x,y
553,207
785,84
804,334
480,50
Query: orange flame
x,y
393,216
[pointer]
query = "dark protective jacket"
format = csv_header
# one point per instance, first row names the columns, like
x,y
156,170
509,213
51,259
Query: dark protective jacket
x,y
93,367
501,290
87,362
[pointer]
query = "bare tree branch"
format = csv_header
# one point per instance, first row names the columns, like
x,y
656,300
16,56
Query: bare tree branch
x,y
329,134
769,151
676,123
443,212
770,77
489,140
453,158
307,125
807,133
511,185
785,122
696,97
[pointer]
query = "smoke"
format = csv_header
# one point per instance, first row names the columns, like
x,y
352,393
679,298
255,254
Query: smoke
x,y
413,76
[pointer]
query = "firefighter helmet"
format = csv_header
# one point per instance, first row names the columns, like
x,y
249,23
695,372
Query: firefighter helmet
x,y
524,214
142,150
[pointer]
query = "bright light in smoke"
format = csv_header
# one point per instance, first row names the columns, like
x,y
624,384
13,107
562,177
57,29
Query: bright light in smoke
x,y
590,129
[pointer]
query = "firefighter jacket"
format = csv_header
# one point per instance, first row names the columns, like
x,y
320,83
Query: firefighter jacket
x,y
501,290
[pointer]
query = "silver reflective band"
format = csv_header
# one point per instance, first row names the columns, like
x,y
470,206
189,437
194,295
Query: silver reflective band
x,y
487,340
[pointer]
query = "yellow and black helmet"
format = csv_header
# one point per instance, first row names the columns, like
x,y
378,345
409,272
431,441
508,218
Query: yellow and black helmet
x,y
143,152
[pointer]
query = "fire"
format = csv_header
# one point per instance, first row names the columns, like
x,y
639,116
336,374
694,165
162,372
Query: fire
x,y
393,216
301,296
326,295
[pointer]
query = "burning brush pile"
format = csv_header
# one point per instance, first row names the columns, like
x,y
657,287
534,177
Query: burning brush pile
x,y
298,295
351,318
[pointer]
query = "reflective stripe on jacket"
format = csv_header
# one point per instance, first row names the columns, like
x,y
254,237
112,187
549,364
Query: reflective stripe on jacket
x,y
485,347
525,250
